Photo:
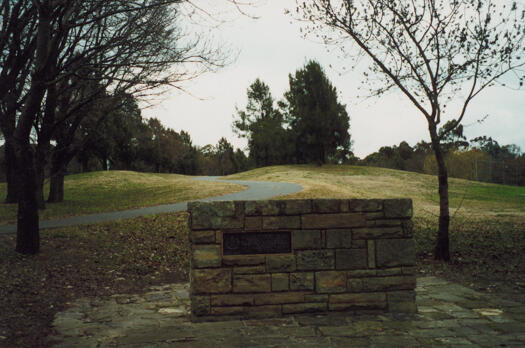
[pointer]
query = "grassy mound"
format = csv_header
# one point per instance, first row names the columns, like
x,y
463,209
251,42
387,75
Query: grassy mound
x,y
98,192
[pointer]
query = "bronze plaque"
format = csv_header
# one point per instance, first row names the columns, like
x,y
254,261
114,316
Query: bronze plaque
x,y
257,243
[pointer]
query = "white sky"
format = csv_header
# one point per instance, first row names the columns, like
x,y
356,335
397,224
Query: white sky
x,y
271,47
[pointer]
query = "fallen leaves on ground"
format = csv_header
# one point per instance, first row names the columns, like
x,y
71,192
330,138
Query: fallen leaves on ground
x,y
125,256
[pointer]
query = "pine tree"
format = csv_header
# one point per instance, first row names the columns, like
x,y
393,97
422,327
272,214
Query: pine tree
x,y
318,122
262,124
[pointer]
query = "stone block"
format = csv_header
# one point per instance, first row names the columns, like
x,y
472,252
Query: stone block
x,y
252,283
398,208
279,298
371,217
304,308
350,259
368,300
384,223
359,244
315,260
280,281
268,311
361,273
244,260
389,272
371,254
298,207
355,285
328,221
310,239
378,232
390,283
395,252
217,222
249,269
281,222
330,282
216,215
203,209
339,239
205,256
248,311
233,310
316,298
211,281
280,263
253,223
265,207
401,296
365,205
302,281
200,305
330,206
202,237
231,300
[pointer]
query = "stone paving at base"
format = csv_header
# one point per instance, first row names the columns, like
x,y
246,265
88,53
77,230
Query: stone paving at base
x,y
449,315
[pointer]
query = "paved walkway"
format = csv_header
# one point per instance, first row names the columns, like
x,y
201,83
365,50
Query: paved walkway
x,y
255,190
449,315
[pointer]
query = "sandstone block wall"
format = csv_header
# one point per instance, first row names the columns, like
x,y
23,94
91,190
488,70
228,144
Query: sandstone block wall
x,y
345,255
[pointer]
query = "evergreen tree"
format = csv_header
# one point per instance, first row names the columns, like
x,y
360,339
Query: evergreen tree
x,y
262,124
318,122
225,157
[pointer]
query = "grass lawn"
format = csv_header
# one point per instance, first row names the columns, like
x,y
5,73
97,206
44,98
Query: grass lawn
x,y
487,232
487,239
98,192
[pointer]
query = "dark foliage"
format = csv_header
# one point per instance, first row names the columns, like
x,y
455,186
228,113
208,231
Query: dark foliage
x,y
308,126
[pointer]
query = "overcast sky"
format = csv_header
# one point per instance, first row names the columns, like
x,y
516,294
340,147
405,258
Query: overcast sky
x,y
272,47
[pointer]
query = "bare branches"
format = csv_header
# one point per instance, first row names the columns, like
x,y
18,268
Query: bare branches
x,y
429,49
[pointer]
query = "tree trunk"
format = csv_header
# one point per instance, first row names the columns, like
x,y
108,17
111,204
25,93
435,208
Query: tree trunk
x,y
85,164
40,176
56,188
59,162
321,159
11,176
28,237
44,136
442,249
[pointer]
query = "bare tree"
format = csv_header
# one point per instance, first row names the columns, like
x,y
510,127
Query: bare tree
x,y
50,46
436,52
152,54
18,24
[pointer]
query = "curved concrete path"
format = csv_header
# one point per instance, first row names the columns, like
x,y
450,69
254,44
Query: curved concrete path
x,y
255,190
